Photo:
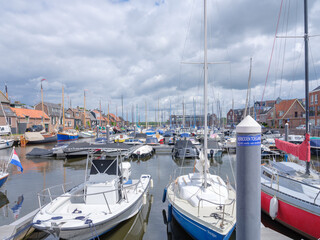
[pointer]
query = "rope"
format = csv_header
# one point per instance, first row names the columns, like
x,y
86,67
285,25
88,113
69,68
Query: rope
x,y
274,41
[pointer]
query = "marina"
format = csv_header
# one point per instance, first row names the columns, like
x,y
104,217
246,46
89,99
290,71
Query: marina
x,y
130,131
41,173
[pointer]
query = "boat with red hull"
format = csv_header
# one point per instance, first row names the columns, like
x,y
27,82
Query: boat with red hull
x,y
290,200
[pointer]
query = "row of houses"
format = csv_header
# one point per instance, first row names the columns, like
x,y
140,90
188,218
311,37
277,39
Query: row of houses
x,y
276,113
20,117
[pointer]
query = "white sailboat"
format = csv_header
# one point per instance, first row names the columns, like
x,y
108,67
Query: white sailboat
x,y
107,197
202,203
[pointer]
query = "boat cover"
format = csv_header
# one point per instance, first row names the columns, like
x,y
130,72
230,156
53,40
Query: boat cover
x,y
302,151
40,152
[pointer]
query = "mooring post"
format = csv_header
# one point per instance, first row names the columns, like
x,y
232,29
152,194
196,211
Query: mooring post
x,y
286,134
108,133
248,180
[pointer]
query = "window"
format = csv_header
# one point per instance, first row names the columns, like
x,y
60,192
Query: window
x,y
281,113
316,99
295,114
311,111
311,100
318,111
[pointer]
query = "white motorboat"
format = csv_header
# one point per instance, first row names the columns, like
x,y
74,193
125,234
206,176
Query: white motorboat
x,y
87,134
106,198
143,151
6,143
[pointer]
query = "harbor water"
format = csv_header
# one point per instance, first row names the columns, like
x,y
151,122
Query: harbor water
x,y
18,196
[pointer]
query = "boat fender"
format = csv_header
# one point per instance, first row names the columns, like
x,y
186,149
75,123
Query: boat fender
x,y
151,183
144,226
144,199
169,213
273,208
164,196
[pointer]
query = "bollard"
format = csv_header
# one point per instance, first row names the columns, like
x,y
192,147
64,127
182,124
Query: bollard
x,y
248,180
108,133
286,134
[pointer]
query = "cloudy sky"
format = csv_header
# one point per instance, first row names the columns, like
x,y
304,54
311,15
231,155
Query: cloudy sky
x,y
135,49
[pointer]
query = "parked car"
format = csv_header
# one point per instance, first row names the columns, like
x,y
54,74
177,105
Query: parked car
x,y
35,128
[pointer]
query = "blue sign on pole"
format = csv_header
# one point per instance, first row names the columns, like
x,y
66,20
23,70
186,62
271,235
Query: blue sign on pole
x,y
249,140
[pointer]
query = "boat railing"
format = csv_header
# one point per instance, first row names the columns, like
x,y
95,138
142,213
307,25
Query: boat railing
x,y
276,176
221,206
123,188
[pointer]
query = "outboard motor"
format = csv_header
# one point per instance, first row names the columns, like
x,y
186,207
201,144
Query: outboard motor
x,y
211,153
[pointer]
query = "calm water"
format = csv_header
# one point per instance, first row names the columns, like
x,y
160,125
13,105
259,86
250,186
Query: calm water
x,y
18,196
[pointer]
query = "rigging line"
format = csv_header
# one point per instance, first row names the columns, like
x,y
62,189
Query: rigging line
x,y
274,40
314,68
284,49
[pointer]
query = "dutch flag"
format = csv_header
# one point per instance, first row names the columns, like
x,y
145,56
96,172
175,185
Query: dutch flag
x,y
15,160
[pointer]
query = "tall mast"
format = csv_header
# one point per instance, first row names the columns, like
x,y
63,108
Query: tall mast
x,y
122,109
306,60
108,115
205,144
62,108
146,115
100,114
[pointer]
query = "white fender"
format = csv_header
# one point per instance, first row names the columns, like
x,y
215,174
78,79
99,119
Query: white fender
x,y
151,183
273,208
144,199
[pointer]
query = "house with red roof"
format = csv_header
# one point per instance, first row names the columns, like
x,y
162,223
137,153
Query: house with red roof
x,y
287,111
28,117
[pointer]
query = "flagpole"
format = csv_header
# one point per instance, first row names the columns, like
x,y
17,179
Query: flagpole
x,y
9,159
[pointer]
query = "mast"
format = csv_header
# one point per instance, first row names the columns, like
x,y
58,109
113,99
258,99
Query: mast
x,y
108,115
100,114
146,114
205,144
84,108
306,61
62,108
170,114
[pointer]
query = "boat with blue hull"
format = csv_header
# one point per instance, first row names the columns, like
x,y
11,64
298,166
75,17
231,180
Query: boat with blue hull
x,y
196,230
3,178
202,203
67,136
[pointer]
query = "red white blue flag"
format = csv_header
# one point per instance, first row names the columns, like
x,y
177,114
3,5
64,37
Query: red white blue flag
x,y
15,160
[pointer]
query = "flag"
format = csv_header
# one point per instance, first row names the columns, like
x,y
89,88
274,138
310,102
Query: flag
x,y
15,160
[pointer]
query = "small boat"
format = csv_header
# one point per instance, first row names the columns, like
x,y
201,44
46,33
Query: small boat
x,y
13,159
185,149
6,143
152,141
214,149
143,151
107,197
67,135
87,134
39,138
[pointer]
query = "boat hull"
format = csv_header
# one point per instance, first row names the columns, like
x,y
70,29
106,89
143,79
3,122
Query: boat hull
x,y
292,216
195,229
66,137
3,179
6,144
45,140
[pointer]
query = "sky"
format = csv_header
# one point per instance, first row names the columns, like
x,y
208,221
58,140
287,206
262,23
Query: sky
x,y
150,53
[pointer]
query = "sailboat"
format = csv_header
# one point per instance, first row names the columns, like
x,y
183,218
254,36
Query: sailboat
x,y
290,193
13,159
5,143
202,203
66,135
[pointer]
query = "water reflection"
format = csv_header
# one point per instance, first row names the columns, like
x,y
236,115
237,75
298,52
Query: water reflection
x,y
135,227
4,201
17,207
